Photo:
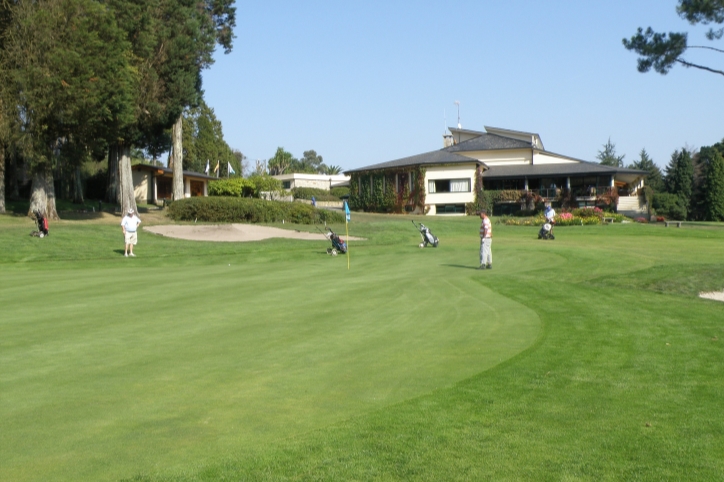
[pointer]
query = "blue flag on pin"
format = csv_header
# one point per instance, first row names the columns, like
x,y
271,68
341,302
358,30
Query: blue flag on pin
x,y
346,211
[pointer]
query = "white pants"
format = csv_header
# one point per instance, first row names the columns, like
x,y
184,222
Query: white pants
x,y
486,252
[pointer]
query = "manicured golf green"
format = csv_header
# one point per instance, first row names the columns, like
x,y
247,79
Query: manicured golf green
x,y
586,358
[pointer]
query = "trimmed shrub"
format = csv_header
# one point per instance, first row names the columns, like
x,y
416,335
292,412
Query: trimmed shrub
x,y
265,183
308,192
339,192
248,210
234,186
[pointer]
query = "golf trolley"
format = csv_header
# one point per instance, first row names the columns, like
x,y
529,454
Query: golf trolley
x,y
338,244
546,231
42,223
426,235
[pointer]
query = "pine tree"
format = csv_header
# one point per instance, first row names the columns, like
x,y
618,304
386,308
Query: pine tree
x,y
654,178
713,190
608,156
680,176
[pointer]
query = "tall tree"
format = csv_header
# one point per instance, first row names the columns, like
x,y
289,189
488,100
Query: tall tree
x,y
680,176
654,179
281,162
178,164
608,156
311,162
67,68
173,41
662,51
203,140
713,190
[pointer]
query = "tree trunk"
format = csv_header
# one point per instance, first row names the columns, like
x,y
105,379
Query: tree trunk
x,y
2,178
112,191
125,176
42,193
77,187
178,166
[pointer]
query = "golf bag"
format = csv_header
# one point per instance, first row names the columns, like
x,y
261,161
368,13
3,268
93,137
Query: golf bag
x,y
338,244
42,223
426,235
546,231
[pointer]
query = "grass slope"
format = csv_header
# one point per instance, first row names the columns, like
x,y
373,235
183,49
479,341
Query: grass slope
x,y
586,358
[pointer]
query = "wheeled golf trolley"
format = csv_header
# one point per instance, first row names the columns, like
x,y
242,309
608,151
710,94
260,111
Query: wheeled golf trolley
x,y
426,235
338,244
546,231
42,223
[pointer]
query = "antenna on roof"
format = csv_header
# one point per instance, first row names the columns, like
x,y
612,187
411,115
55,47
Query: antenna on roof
x,y
457,103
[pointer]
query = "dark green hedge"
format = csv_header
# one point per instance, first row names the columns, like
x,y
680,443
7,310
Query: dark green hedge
x,y
248,210
308,192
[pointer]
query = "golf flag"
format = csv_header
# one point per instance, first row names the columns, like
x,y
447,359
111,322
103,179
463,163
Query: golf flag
x,y
346,228
206,171
231,169
216,169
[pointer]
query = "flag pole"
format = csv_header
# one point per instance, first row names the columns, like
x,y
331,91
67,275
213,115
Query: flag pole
x,y
346,228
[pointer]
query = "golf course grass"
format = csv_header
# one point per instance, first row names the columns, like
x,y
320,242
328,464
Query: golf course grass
x,y
590,357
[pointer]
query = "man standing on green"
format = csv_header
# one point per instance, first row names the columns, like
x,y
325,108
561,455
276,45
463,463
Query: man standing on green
x,y
486,241
129,224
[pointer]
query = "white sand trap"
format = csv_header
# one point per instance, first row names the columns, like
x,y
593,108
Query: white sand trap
x,y
234,232
713,295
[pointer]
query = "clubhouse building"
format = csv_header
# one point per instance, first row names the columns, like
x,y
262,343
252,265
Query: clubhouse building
x,y
443,181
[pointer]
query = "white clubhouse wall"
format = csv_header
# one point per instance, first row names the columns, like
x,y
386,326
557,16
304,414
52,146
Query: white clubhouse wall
x,y
458,171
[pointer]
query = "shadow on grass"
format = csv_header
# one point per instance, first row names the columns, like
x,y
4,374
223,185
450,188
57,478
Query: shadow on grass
x,y
461,266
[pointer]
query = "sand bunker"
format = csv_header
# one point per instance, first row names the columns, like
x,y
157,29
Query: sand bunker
x,y
233,232
713,295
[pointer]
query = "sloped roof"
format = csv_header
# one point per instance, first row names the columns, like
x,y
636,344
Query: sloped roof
x,y
168,171
441,156
550,170
488,142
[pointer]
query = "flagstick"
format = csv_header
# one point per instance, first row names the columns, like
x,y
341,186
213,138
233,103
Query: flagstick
x,y
346,229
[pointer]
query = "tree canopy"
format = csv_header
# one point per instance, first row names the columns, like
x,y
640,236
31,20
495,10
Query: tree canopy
x,y
607,156
662,51
79,78
654,178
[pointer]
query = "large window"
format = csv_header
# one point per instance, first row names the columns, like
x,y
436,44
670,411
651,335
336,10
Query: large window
x,y
448,185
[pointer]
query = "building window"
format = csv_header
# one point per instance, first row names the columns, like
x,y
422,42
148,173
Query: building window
x,y
286,184
448,185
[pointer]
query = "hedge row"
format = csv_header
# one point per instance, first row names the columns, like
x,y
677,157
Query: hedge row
x,y
245,187
249,210
308,192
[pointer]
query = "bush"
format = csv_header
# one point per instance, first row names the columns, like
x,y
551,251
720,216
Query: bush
x,y
230,187
588,212
265,183
236,209
339,192
670,206
308,192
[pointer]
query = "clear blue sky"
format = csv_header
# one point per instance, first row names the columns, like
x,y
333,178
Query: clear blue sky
x,y
368,82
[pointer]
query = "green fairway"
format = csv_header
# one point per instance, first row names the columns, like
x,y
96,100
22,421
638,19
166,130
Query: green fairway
x,y
589,357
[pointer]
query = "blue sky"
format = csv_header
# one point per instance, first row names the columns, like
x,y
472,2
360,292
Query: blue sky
x,y
368,82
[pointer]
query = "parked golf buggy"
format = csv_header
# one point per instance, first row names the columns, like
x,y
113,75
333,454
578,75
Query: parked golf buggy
x,y
426,235
42,223
338,244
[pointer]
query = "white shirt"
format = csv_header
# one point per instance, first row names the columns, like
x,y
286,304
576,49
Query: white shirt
x,y
130,223
550,213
